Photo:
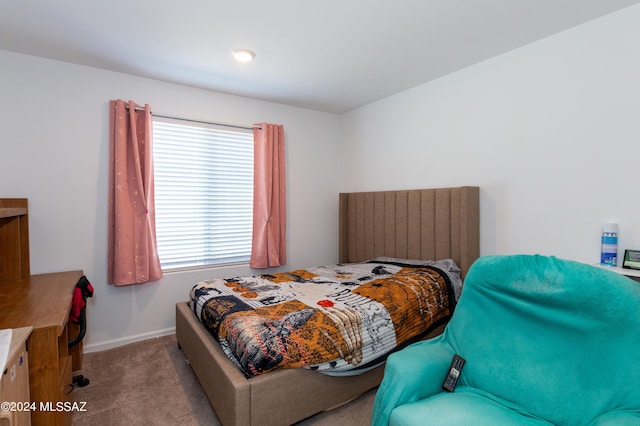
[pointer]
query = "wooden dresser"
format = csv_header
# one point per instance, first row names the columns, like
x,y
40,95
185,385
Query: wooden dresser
x,y
14,385
43,302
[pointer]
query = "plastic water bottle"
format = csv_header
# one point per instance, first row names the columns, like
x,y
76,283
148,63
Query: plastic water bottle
x,y
609,253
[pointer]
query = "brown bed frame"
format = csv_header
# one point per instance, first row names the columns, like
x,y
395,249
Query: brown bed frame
x,y
412,224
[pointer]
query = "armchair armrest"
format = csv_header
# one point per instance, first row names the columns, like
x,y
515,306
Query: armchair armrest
x,y
411,374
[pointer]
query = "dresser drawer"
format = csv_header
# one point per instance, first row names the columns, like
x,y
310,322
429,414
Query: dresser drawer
x,y
14,384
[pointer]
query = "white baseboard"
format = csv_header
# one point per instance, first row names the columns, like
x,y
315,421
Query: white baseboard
x,y
110,344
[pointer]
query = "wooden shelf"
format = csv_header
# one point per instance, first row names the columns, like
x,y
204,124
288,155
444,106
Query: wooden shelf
x,y
14,240
11,212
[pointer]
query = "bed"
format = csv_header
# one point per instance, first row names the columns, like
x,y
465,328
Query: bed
x,y
440,223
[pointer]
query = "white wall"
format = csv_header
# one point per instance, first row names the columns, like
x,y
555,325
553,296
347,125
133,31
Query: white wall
x,y
54,150
550,132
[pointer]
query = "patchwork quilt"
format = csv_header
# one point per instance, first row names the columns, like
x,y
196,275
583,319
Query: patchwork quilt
x,y
332,318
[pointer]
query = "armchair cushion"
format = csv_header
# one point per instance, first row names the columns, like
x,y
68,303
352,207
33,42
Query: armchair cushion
x,y
545,340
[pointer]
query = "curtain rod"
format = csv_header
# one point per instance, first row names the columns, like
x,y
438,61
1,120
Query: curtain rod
x,y
198,121
207,122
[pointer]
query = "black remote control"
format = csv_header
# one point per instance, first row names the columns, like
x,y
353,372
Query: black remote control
x,y
454,373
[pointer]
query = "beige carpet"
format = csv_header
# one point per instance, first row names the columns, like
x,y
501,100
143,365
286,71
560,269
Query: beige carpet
x,y
149,383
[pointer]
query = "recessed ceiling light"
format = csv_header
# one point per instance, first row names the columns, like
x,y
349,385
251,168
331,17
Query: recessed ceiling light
x,y
243,55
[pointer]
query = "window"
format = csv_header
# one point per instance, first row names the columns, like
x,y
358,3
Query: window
x,y
203,193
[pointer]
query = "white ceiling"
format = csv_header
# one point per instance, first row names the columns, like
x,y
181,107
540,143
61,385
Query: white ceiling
x,y
328,55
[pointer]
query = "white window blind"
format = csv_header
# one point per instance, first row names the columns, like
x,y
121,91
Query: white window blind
x,y
203,193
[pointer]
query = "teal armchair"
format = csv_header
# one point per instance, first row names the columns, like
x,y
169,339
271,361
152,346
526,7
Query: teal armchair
x,y
546,342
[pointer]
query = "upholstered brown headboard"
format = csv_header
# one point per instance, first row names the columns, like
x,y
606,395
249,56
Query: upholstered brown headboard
x,y
440,223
